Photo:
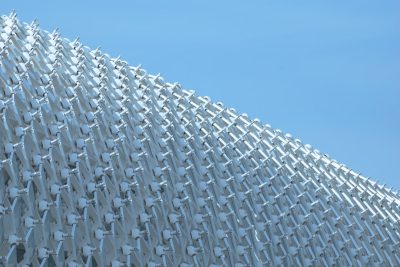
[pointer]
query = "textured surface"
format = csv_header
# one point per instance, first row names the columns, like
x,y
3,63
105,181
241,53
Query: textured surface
x,y
102,164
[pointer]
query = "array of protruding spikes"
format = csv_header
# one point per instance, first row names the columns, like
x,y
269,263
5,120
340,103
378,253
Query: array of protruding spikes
x,y
102,164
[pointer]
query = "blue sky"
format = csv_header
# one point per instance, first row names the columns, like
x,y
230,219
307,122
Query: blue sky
x,y
326,72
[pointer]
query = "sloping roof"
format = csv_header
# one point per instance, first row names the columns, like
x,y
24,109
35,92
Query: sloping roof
x,y
104,164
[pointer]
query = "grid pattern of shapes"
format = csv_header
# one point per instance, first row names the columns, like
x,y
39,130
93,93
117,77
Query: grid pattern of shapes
x,y
102,164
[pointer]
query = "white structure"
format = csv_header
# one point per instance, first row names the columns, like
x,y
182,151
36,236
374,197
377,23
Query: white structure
x,y
102,164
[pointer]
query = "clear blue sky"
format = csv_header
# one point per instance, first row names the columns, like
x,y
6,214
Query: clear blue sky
x,y
328,72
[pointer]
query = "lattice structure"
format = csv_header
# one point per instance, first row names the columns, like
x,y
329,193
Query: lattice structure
x,y
102,164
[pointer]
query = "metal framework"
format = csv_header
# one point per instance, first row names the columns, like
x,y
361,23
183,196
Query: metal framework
x,y
102,164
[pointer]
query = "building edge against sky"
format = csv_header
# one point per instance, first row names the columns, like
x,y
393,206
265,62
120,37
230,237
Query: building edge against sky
x,y
102,163
342,56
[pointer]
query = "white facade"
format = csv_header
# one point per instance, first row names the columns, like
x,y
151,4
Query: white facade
x,y
102,164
